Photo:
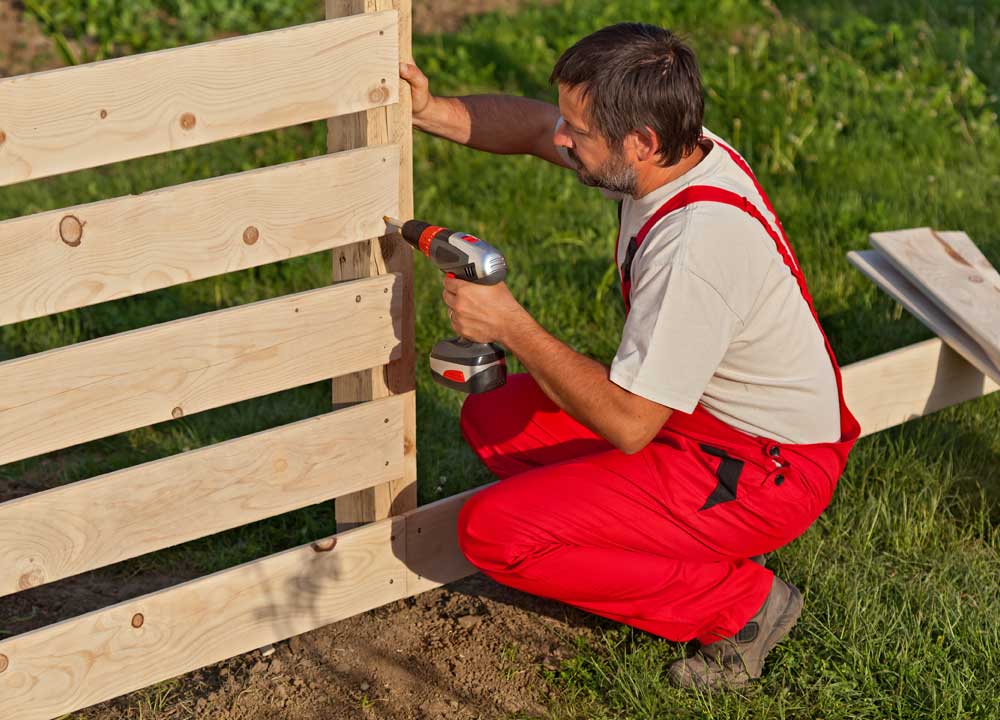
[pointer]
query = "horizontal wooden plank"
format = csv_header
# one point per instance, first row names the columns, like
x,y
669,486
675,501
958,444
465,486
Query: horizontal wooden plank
x,y
954,274
70,395
106,519
908,383
103,654
882,272
79,117
88,254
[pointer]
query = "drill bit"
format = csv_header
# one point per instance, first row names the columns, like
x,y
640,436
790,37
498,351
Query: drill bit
x,y
393,225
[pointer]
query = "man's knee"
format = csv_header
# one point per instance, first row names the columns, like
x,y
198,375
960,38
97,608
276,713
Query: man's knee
x,y
480,532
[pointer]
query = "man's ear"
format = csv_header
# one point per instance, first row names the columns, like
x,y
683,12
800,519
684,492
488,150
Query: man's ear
x,y
644,143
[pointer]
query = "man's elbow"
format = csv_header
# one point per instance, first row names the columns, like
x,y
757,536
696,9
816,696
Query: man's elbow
x,y
633,442
637,435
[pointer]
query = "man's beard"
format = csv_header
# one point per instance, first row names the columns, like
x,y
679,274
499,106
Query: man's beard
x,y
615,174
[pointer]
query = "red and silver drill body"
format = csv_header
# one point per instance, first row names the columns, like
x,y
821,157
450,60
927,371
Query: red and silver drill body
x,y
458,363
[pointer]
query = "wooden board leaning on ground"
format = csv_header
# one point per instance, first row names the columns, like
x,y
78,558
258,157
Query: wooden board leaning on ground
x,y
954,274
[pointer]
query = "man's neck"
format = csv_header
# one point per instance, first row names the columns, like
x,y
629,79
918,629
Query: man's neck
x,y
658,176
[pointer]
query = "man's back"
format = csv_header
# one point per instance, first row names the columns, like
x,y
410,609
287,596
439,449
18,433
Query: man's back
x,y
717,317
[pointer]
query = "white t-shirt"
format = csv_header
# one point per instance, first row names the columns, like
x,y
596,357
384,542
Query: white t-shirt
x,y
717,317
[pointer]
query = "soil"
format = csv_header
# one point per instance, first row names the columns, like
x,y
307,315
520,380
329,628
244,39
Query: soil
x,y
471,650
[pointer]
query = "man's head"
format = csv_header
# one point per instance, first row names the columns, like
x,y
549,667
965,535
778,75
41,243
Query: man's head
x,y
631,98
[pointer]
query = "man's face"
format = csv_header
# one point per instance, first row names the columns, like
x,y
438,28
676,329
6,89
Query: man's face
x,y
596,163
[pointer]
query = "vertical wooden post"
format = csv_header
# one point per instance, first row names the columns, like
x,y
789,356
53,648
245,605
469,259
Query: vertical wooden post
x,y
375,256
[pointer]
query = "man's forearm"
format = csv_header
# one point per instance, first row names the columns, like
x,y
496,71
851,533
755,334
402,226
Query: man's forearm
x,y
576,383
502,124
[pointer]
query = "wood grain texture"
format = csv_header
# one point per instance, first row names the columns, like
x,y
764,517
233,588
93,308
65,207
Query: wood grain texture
x,y
101,655
89,115
877,268
390,124
88,254
889,389
953,273
106,519
70,395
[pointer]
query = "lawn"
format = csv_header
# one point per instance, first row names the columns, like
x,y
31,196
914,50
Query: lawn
x,y
857,117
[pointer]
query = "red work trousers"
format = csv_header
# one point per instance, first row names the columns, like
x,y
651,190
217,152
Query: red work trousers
x,y
660,539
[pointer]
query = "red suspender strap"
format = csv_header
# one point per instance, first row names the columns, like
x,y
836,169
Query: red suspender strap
x,y
708,193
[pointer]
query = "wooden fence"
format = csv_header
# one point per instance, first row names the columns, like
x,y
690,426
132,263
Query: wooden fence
x,y
358,331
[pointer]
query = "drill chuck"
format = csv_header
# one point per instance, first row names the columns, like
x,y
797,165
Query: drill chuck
x,y
463,255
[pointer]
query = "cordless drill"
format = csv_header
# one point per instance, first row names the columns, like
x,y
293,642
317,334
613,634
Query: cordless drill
x,y
458,363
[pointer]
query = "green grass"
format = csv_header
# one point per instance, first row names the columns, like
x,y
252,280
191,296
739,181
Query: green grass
x,y
857,117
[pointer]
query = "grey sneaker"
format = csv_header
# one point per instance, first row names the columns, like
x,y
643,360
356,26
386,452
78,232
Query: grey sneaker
x,y
735,661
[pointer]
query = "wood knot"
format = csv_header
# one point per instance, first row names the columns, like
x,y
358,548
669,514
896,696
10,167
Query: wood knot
x,y
4,663
379,95
177,412
251,235
3,137
325,545
30,579
138,620
280,465
71,230
188,121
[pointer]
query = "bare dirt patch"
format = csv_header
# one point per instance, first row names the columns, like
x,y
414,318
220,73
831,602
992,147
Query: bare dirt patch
x,y
473,650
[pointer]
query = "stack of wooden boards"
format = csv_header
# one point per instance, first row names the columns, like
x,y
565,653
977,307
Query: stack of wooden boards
x,y
947,283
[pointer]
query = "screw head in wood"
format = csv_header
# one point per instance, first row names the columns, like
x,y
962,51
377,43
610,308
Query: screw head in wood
x,y
104,114
71,230
4,663
138,620
188,121
251,235
177,412
325,545
357,298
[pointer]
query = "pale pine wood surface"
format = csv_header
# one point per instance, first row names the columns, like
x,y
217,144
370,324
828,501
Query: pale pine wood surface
x,y
88,254
106,519
877,268
390,124
79,117
70,395
889,389
103,654
951,271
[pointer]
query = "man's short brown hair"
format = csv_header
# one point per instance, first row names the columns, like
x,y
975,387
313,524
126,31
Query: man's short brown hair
x,y
635,75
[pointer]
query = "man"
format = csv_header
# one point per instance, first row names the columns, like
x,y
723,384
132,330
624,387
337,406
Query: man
x,y
644,491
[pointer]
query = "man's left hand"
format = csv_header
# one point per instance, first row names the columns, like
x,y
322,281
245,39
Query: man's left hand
x,y
482,313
